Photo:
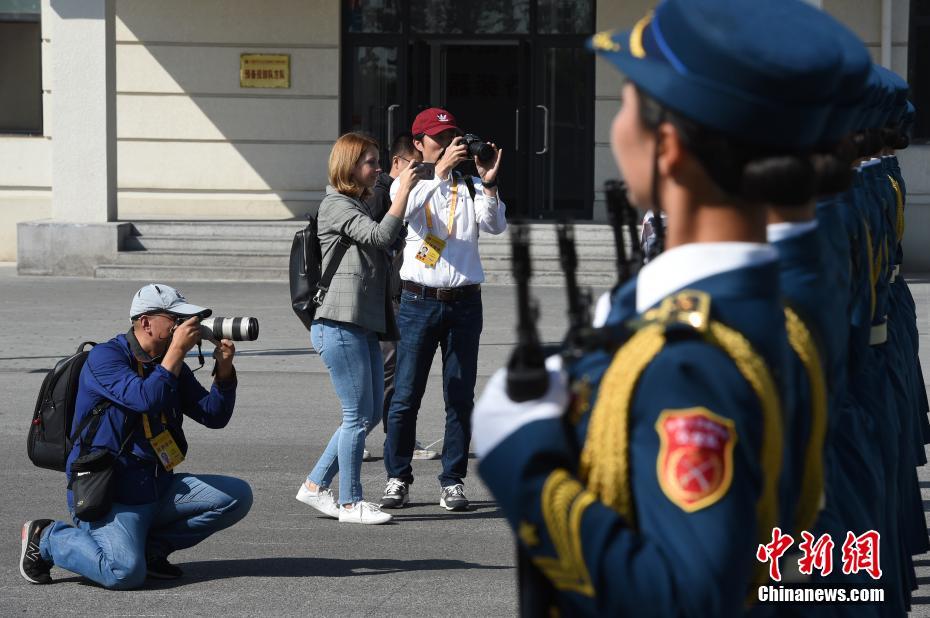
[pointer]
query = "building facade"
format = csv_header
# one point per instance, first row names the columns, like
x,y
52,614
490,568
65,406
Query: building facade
x,y
119,110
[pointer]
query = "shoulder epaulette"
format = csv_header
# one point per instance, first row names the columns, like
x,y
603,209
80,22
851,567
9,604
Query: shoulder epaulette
x,y
688,309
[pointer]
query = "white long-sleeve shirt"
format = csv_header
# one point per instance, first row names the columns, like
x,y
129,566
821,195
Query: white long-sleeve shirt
x,y
459,264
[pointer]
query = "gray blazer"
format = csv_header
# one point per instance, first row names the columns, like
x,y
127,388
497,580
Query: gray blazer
x,y
358,293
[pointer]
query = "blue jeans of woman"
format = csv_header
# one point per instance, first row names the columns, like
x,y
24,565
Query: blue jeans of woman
x,y
353,357
112,551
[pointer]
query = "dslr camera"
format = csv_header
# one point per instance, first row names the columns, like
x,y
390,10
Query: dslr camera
x,y
477,147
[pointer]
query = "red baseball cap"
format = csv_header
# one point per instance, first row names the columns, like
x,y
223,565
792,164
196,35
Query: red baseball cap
x,y
432,121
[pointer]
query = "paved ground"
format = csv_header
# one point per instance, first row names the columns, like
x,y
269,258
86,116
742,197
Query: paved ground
x,y
282,559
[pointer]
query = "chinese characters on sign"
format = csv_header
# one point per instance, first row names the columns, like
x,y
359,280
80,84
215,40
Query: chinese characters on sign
x,y
265,71
859,553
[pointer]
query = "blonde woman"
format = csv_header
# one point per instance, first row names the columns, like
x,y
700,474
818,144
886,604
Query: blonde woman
x,y
354,316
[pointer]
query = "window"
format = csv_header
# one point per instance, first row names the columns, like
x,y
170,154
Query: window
x,y
20,67
918,67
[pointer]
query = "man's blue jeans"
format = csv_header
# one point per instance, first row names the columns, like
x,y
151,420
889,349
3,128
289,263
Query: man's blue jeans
x,y
424,324
112,551
353,357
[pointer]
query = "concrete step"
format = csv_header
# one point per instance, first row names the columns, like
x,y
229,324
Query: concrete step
x,y
286,229
165,272
259,250
227,245
204,229
195,258
208,244
161,272
491,260
585,247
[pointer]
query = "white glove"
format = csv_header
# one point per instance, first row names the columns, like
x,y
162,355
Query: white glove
x,y
496,416
601,310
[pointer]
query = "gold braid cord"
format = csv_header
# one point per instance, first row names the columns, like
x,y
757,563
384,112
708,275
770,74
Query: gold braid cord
x,y
564,501
802,343
874,268
755,371
899,209
604,459
604,465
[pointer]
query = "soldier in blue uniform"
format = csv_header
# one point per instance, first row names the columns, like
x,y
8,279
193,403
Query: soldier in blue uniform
x,y
872,387
651,490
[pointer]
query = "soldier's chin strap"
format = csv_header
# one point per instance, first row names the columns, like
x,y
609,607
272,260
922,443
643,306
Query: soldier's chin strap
x,y
657,223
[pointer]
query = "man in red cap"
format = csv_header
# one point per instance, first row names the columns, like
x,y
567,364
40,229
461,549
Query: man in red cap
x,y
440,303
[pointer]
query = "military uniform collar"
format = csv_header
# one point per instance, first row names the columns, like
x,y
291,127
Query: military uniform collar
x,y
136,348
677,268
783,231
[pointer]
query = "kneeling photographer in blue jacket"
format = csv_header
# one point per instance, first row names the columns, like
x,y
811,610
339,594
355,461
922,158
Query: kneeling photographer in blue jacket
x,y
133,394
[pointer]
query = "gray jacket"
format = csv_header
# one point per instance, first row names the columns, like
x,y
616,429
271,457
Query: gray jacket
x,y
358,293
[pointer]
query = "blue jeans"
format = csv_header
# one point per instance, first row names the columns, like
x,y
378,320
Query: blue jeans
x,y
112,551
353,357
424,324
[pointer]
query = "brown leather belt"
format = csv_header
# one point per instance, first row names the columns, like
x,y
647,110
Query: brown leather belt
x,y
443,294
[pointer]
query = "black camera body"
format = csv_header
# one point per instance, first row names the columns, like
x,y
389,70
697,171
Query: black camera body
x,y
477,147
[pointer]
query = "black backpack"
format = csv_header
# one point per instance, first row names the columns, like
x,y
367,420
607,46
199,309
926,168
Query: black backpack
x,y
50,438
308,284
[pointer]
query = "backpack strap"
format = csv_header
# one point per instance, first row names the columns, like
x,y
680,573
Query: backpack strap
x,y
322,287
95,415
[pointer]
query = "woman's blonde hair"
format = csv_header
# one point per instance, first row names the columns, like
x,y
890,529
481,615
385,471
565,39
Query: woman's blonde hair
x,y
343,158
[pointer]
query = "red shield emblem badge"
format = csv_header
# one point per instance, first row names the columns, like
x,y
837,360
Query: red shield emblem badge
x,y
695,464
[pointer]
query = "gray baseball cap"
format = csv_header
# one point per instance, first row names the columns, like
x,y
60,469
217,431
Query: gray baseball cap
x,y
161,298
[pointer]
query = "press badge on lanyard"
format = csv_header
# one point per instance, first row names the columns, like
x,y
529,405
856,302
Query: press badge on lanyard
x,y
432,247
163,444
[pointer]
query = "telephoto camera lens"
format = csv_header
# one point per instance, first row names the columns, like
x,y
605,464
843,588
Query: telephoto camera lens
x,y
477,147
237,329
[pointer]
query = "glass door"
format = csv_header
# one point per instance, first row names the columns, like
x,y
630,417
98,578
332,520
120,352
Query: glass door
x,y
514,72
484,86
562,133
371,102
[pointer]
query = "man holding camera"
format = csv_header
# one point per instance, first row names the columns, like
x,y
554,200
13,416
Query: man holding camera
x,y
441,299
137,390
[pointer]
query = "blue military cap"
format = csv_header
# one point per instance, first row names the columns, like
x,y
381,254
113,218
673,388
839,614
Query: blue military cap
x,y
765,71
897,102
852,89
872,112
907,119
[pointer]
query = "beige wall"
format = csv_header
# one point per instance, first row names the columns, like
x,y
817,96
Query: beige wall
x,y
191,142
864,18
25,187
610,15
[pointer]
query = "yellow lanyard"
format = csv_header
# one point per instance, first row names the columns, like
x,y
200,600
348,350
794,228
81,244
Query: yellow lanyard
x,y
455,200
146,426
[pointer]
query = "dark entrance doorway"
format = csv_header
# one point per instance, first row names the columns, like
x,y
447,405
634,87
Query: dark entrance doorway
x,y
526,83
485,87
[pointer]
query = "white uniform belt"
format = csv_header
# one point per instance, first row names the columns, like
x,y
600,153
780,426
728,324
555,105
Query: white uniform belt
x,y
879,333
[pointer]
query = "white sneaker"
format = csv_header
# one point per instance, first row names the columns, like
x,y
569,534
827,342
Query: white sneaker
x,y
363,513
420,452
322,500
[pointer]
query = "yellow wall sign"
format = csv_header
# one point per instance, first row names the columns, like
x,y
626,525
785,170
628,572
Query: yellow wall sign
x,y
265,71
